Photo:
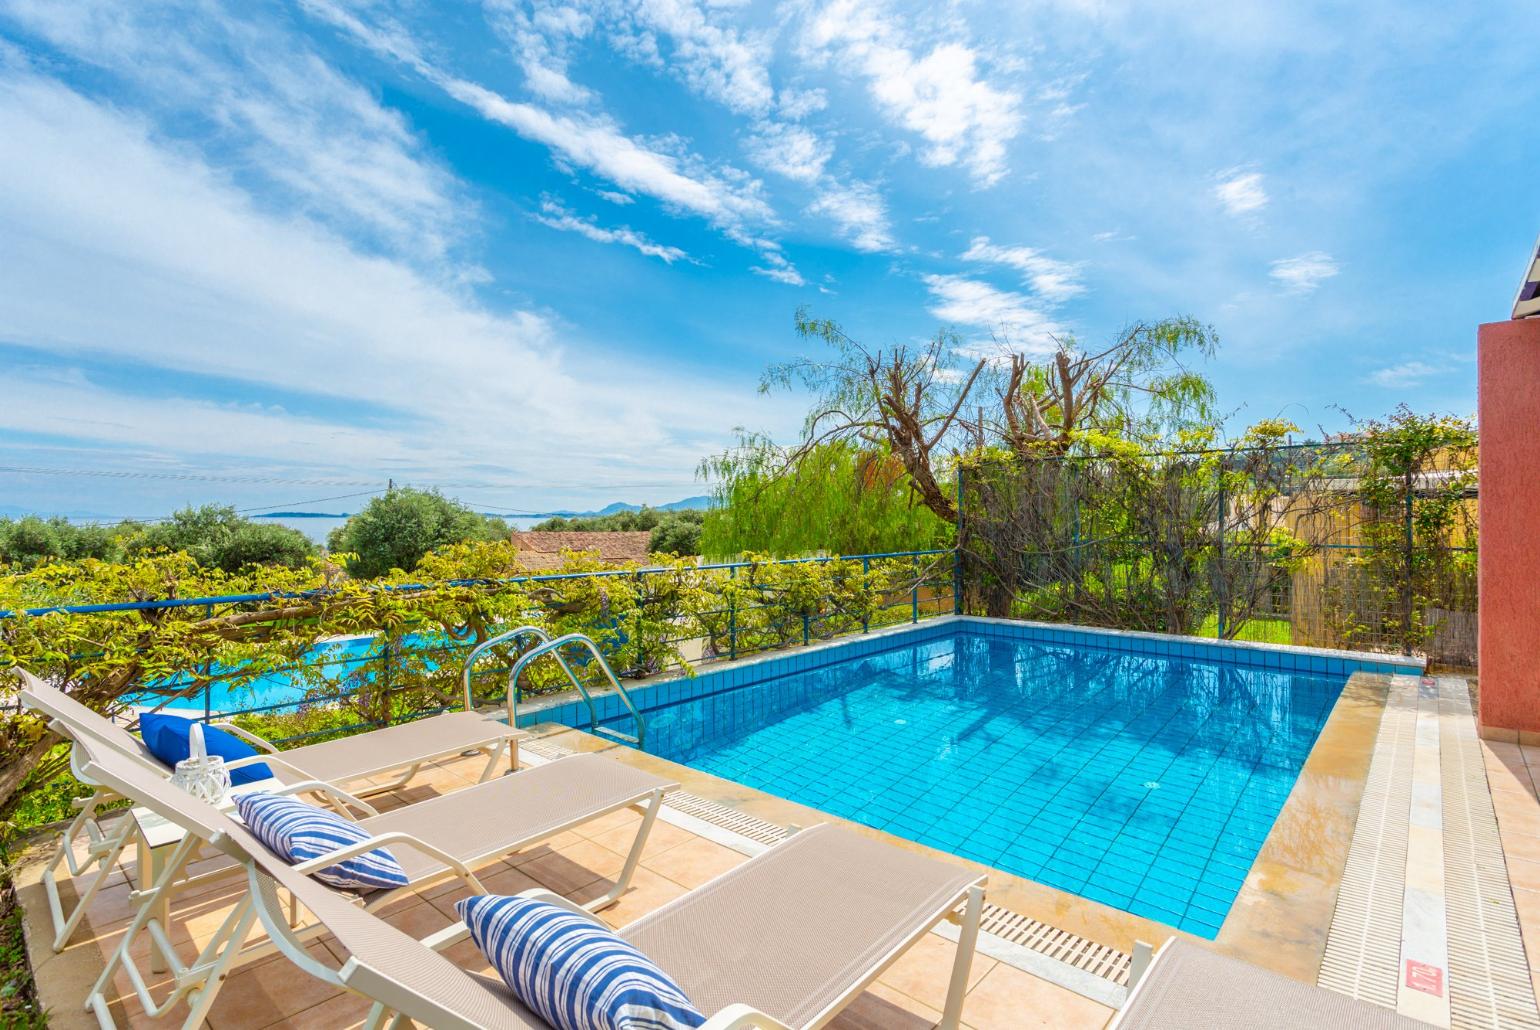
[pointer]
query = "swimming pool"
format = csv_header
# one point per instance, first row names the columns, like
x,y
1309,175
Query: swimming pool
x,y
1141,772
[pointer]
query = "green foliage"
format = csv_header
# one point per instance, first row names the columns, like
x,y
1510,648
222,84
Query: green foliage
x,y
395,530
31,540
673,532
1414,474
835,497
19,1006
458,596
217,537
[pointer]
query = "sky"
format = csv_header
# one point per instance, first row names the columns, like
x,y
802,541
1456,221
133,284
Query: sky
x,y
538,254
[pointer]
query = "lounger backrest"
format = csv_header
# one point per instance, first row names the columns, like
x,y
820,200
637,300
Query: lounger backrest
x,y
56,704
386,964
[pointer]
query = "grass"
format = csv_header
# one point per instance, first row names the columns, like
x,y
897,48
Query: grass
x,y
1260,631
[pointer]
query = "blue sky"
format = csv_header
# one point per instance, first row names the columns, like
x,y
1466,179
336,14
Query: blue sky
x,y
539,253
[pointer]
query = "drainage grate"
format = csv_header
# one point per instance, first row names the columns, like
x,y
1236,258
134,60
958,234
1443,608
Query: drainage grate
x,y
1363,946
1061,945
1489,981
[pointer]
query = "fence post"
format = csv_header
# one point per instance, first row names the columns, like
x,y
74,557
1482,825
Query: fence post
x,y
732,618
1220,558
386,657
641,659
1406,583
208,673
866,614
957,569
914,592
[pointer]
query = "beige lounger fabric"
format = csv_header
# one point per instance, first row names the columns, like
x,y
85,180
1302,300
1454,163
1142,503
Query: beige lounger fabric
x,y
333,761
380,751
495,817
785,935
1190,987
787,932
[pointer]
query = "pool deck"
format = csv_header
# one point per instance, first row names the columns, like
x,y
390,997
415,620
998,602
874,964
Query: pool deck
x,y
579,864
1285,917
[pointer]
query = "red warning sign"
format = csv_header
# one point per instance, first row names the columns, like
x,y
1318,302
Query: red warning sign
x,y
1425,978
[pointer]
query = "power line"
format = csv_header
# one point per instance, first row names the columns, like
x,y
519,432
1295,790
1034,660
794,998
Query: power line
x,y
313,500
204,477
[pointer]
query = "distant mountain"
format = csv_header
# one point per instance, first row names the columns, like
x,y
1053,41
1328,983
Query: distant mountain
x,y
700,502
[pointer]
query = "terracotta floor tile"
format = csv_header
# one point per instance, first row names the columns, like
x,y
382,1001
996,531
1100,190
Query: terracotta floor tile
x,y
1008,999
342,1012
924,971
661,837
882,1008
567,869
259,996
1521,845
694,862
648,891
606,823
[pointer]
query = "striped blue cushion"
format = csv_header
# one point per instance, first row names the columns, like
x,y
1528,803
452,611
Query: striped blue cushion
x,y
572,971
298,832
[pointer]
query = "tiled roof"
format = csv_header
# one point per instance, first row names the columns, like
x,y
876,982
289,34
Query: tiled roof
x,y
541,551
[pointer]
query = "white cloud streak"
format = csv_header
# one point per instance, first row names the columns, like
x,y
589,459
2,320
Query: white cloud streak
x,y
1013,316
1305,273
185,272
940,94
554,215
1051,279
1240,192
1407,373
858,213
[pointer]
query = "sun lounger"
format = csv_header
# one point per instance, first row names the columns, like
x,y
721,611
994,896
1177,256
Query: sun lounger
x,y
334,763
785,940
1189,987
440,838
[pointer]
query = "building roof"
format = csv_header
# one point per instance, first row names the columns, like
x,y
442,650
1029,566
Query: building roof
x,y
542,551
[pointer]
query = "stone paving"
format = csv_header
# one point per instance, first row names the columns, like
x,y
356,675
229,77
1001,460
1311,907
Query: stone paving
x,y
272,993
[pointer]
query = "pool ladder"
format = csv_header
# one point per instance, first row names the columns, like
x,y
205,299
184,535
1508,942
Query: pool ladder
x,y
547,645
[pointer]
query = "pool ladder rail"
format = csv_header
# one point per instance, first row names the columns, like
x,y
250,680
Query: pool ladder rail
x,y
554,646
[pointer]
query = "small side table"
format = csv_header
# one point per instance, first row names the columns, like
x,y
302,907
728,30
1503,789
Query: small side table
x,y
156,838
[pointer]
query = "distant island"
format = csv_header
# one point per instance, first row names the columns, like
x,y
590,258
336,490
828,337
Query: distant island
x,y
700,502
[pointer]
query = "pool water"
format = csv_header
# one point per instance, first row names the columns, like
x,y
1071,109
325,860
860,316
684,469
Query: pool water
x,y
1147,782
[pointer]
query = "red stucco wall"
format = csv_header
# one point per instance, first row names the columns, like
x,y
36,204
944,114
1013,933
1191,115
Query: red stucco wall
x,y
1509,399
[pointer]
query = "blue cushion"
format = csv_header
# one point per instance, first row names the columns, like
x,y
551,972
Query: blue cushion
x,y
298,832
167,738
572,971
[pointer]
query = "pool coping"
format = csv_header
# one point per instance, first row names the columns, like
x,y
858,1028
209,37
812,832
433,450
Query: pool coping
x,y
1282,915
723,674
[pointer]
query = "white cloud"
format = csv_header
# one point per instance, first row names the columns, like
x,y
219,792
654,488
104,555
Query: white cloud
x,y
1240,192
1407,373
336,152
186,273
790,150
962,301
554,215
776,267
593,142
1304,273
858,213
1051,279
940,94
716,61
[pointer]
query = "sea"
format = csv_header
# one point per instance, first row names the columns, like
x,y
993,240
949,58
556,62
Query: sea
x,y
318,528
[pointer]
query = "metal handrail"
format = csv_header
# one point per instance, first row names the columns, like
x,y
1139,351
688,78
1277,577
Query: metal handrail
x,y
554,647
476,652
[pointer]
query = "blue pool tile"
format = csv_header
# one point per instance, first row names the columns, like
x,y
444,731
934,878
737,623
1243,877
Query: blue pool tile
x,y
1141,772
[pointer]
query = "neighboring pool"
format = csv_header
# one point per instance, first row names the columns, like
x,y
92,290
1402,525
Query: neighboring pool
x,y
278,690
1141,773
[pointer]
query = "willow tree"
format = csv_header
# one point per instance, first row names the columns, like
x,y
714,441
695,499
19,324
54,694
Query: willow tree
x,y
837,497
925,405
